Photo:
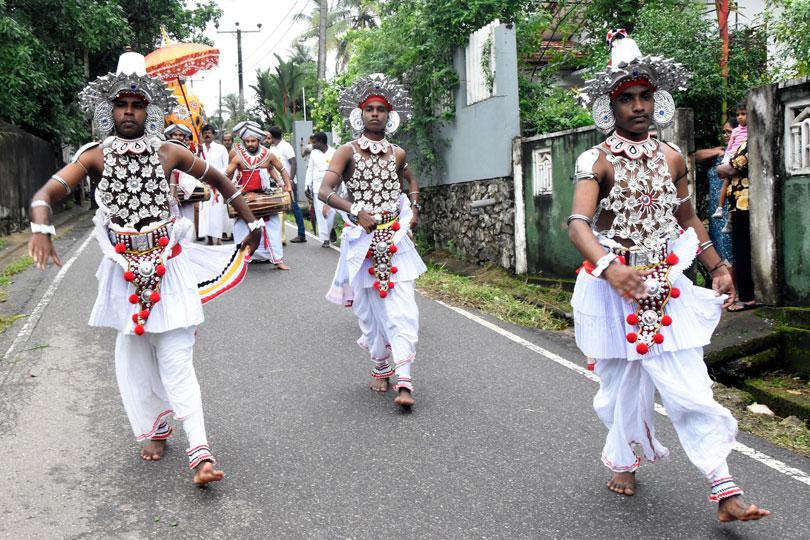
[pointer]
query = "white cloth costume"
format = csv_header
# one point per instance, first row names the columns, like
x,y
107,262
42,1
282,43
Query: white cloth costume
x,y
317,167
214,220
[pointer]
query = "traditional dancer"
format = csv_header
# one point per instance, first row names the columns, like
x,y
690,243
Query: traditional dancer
x,y
148,279
635,312
214,220
319,160
378,261
250,158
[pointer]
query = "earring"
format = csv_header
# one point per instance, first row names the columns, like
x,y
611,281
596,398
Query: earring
x,y
356,119
603,115
663,109
393,123
154,121
102,119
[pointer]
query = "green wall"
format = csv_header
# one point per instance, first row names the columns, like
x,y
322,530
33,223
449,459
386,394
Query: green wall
x,y
548,250
796,239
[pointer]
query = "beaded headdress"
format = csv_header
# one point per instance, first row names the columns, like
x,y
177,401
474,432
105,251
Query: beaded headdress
x,y
627,67
377,85
130,78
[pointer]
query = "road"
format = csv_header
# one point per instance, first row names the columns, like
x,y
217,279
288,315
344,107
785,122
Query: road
x,y
502,443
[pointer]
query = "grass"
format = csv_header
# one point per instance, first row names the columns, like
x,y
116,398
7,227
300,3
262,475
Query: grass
x,y
8,320
490,295
19,265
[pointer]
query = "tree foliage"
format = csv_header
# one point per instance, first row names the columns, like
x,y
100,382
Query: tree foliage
x,y
790,27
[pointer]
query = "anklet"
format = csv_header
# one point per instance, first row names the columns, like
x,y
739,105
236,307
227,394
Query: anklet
x,y
198,454
723,488
163,432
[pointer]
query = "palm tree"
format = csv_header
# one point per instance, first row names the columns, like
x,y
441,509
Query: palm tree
x,y
337,24
300,53
278,93
231,109
363,14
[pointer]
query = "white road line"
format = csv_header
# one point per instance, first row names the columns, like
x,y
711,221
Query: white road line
x,y
33,319
756,455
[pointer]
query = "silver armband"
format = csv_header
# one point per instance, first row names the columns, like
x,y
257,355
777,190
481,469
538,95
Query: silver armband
x,y
39,202
580,217
234,196
207,165
193,161
328,197
63,182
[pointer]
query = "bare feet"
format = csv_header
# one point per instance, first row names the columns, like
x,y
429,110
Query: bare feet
x,y
205,473
623,483
153,451
735,508
404,398
282,266
379,385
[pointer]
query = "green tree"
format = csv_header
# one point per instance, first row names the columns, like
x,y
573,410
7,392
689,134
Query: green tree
x,y
789,22
279,92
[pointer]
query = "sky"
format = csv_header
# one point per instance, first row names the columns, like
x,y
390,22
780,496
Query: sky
x,y
276,35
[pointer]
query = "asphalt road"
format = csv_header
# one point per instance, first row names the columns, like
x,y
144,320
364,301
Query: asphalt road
x,y
502,443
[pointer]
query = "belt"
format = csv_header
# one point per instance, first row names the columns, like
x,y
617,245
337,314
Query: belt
x,y
142,241
638,256
383,219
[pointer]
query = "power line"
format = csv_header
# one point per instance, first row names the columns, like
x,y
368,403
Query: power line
x,y
278,41
272,32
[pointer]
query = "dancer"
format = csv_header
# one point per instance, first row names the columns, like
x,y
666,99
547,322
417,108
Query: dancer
x,y
635,312
378,261
148,278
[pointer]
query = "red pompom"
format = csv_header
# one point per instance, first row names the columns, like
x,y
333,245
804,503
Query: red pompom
x,y
632,319
396,226
383,293
390,284
621,259
120,247
393,248
139,329
376,285
129,275
641,348
371,270
672,259
394,269
144,314
658,338
160,270
164,241
666,320
154,297
368,254
133,298
135,318
675,292
632,337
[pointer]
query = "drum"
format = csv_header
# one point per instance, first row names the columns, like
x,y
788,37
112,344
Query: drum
x,y
201,193
265,204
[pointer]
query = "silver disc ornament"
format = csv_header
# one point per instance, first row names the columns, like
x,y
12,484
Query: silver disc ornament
x,y
603,114
664,108
102,119
393,123
154,121
356,119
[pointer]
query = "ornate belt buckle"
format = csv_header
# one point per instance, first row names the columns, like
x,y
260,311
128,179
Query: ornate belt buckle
x,y
140,242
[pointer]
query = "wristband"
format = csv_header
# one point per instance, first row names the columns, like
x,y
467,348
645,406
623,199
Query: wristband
x,y
253,225
42,228
39,202
234,196
356,209
718,266
603,263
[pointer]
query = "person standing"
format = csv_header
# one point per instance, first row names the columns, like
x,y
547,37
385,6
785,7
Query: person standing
x,y
286,154
214,220
378,263
227,141
319,161
635,312
186,184
148,277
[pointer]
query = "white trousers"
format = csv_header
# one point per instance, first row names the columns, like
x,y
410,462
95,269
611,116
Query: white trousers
x,y
626,399
156,379
270,246
390,328
325,224
214,220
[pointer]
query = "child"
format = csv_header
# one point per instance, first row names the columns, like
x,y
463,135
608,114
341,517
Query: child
x,y
738,136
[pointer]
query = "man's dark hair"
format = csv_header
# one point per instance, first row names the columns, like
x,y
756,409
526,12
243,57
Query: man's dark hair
x,y
732,121
276,132
741,106
319,137
208,127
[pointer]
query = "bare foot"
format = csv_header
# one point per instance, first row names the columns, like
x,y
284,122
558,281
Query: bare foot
x,y
282,266
379,385
404,398
735,508
205,473
623,483
153,451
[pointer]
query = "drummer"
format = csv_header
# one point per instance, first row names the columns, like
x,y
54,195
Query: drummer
x,y
249,159
186,184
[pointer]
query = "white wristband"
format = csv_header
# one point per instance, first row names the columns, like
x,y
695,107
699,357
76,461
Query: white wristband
x,y
603,263
253,225
41,228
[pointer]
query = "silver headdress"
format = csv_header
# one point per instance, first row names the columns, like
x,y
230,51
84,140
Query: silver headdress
x,y
96,100
627,64
376,85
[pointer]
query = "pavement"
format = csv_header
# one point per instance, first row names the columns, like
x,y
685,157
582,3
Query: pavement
x,y
502,443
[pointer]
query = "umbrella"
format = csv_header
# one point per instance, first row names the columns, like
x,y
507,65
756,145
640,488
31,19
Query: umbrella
x,y
175,60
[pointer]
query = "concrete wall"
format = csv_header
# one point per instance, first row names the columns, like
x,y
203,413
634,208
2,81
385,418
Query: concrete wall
x,y
26,162
480,137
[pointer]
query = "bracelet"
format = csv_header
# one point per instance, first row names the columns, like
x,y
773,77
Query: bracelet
x,y
603,263
234,196
253,225
207,165
79,161
706,245
356,208
580,217
39,202
326,201
42,228
718,266
193,161
63,182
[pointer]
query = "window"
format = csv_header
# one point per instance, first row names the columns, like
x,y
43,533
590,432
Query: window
x,y
480,63
797,137
542,173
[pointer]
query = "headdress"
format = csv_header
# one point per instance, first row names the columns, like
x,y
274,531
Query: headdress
x,y
249,128
96,100
377,85
629,67
177,127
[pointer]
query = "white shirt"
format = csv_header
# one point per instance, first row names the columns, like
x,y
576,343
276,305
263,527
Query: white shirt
x,y
216,155
285,152
318,165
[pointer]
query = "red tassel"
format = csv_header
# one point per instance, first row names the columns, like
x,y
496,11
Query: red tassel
x,y
632,337
641,348
393,248
160,270
129,275
154,297
383,293
139,329
371,270
368,254
390,284
632,319
376,285
672,259
135,318
394,269
658,338
621,259
666,320
133,298
164,241
120,247
396,226
675,292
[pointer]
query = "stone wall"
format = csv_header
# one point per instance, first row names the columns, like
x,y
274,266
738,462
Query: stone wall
x,y
473,219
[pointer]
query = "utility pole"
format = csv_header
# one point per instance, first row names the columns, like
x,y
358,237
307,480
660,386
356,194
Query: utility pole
x,y
322,42
239,33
